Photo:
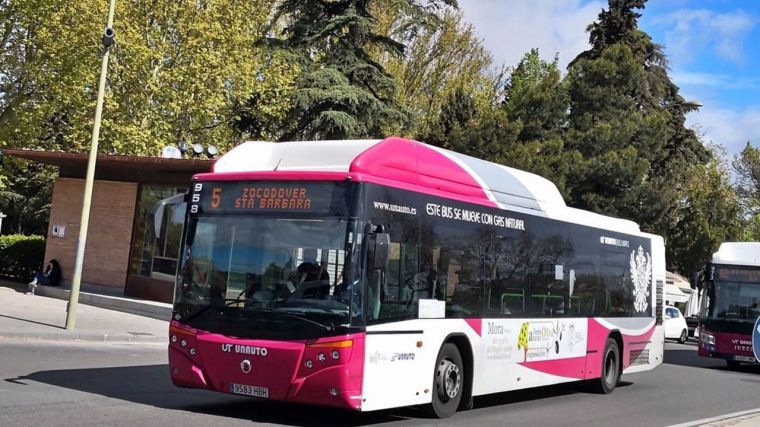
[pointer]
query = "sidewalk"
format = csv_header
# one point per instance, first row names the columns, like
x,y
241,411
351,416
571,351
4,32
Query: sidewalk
x,y
44,318
103,297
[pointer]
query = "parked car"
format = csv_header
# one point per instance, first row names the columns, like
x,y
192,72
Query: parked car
x,y
675,325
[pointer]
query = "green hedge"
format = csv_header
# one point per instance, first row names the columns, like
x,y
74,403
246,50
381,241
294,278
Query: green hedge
x,y
21,256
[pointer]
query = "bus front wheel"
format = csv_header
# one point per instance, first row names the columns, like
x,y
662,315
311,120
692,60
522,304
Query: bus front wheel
x,y
610,374
448,382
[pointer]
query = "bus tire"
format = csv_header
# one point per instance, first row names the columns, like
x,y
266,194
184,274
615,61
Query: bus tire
x,y
448,382
610,372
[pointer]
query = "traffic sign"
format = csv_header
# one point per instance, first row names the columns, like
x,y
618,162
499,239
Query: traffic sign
x,y
756,339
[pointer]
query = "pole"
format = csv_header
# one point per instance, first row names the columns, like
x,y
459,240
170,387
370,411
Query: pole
x,y
71,309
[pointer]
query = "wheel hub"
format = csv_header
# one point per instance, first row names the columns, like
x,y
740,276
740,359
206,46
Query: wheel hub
x,y
449,379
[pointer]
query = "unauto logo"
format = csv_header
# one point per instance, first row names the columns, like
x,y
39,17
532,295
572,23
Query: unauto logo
x,y
402,356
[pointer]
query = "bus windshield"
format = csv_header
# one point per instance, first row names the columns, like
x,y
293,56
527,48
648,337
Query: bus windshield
x,y
731,297
264,277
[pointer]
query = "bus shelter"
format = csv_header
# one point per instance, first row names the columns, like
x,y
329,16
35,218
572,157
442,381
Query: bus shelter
x,y
124,255
678,292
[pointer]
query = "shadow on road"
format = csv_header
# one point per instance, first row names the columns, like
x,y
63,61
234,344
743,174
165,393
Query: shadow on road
x,y
517,396
688,357
150,385
32,321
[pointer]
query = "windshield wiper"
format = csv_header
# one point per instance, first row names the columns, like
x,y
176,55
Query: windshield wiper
x,y
278,313
289,315
227,302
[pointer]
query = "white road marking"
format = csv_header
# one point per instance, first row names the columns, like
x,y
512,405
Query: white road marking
x,y
718,418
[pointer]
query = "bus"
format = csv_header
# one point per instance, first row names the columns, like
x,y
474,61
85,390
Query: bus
x,y
377,274
730,302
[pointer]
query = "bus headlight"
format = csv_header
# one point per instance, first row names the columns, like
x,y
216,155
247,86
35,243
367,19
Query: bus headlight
x,y
706,338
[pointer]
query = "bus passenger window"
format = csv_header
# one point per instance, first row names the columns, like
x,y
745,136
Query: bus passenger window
x,y
464,295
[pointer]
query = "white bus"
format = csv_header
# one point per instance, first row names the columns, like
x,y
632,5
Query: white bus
x,y
378,274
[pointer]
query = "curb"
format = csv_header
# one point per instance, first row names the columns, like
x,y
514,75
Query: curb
x,y
150,309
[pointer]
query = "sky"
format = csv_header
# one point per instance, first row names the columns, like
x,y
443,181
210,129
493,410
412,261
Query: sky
x,y
711,45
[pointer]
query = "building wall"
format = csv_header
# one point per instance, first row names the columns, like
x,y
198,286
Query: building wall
x,y
110,232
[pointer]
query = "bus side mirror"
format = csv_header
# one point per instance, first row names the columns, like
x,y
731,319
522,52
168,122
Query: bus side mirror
x,y
378,250
156,212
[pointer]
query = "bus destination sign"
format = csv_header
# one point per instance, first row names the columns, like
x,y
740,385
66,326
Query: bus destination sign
x,y
738,274
253,197
268,197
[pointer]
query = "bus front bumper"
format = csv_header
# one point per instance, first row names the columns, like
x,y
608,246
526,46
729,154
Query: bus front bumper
x,y
327,372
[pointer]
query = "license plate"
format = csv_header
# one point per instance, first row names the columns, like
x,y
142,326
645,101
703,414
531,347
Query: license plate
x,y
249,390
744,359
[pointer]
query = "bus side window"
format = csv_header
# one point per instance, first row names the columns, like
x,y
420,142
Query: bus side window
x,y
541,301
394,299
458,269
506,293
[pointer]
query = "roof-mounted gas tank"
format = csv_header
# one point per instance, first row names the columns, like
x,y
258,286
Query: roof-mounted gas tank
x,y
400,160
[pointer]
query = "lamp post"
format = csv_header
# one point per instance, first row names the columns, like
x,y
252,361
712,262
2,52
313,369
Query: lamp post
x,y
108,41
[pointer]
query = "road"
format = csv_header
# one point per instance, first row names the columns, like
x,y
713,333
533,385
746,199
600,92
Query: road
x,y
46,383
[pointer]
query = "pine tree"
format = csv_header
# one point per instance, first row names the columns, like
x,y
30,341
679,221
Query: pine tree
x,y
343,92
534,95
627,122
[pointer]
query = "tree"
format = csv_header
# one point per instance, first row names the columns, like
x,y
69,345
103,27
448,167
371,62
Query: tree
x,y
459,110
489,136
443,56
48,66
627,121
194,62
342,91
177,71
710,213
535,96
747,167
26,197
522,127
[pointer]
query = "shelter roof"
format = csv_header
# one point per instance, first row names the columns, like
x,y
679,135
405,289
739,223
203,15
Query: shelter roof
x,y
142,169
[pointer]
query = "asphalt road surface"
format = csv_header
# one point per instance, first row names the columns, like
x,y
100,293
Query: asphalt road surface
x,y
46,383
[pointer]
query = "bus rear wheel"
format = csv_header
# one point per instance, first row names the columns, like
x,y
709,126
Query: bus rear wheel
x,y
610,373
448,382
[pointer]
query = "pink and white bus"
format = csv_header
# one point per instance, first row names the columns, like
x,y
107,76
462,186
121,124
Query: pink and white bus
x,y
378,274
